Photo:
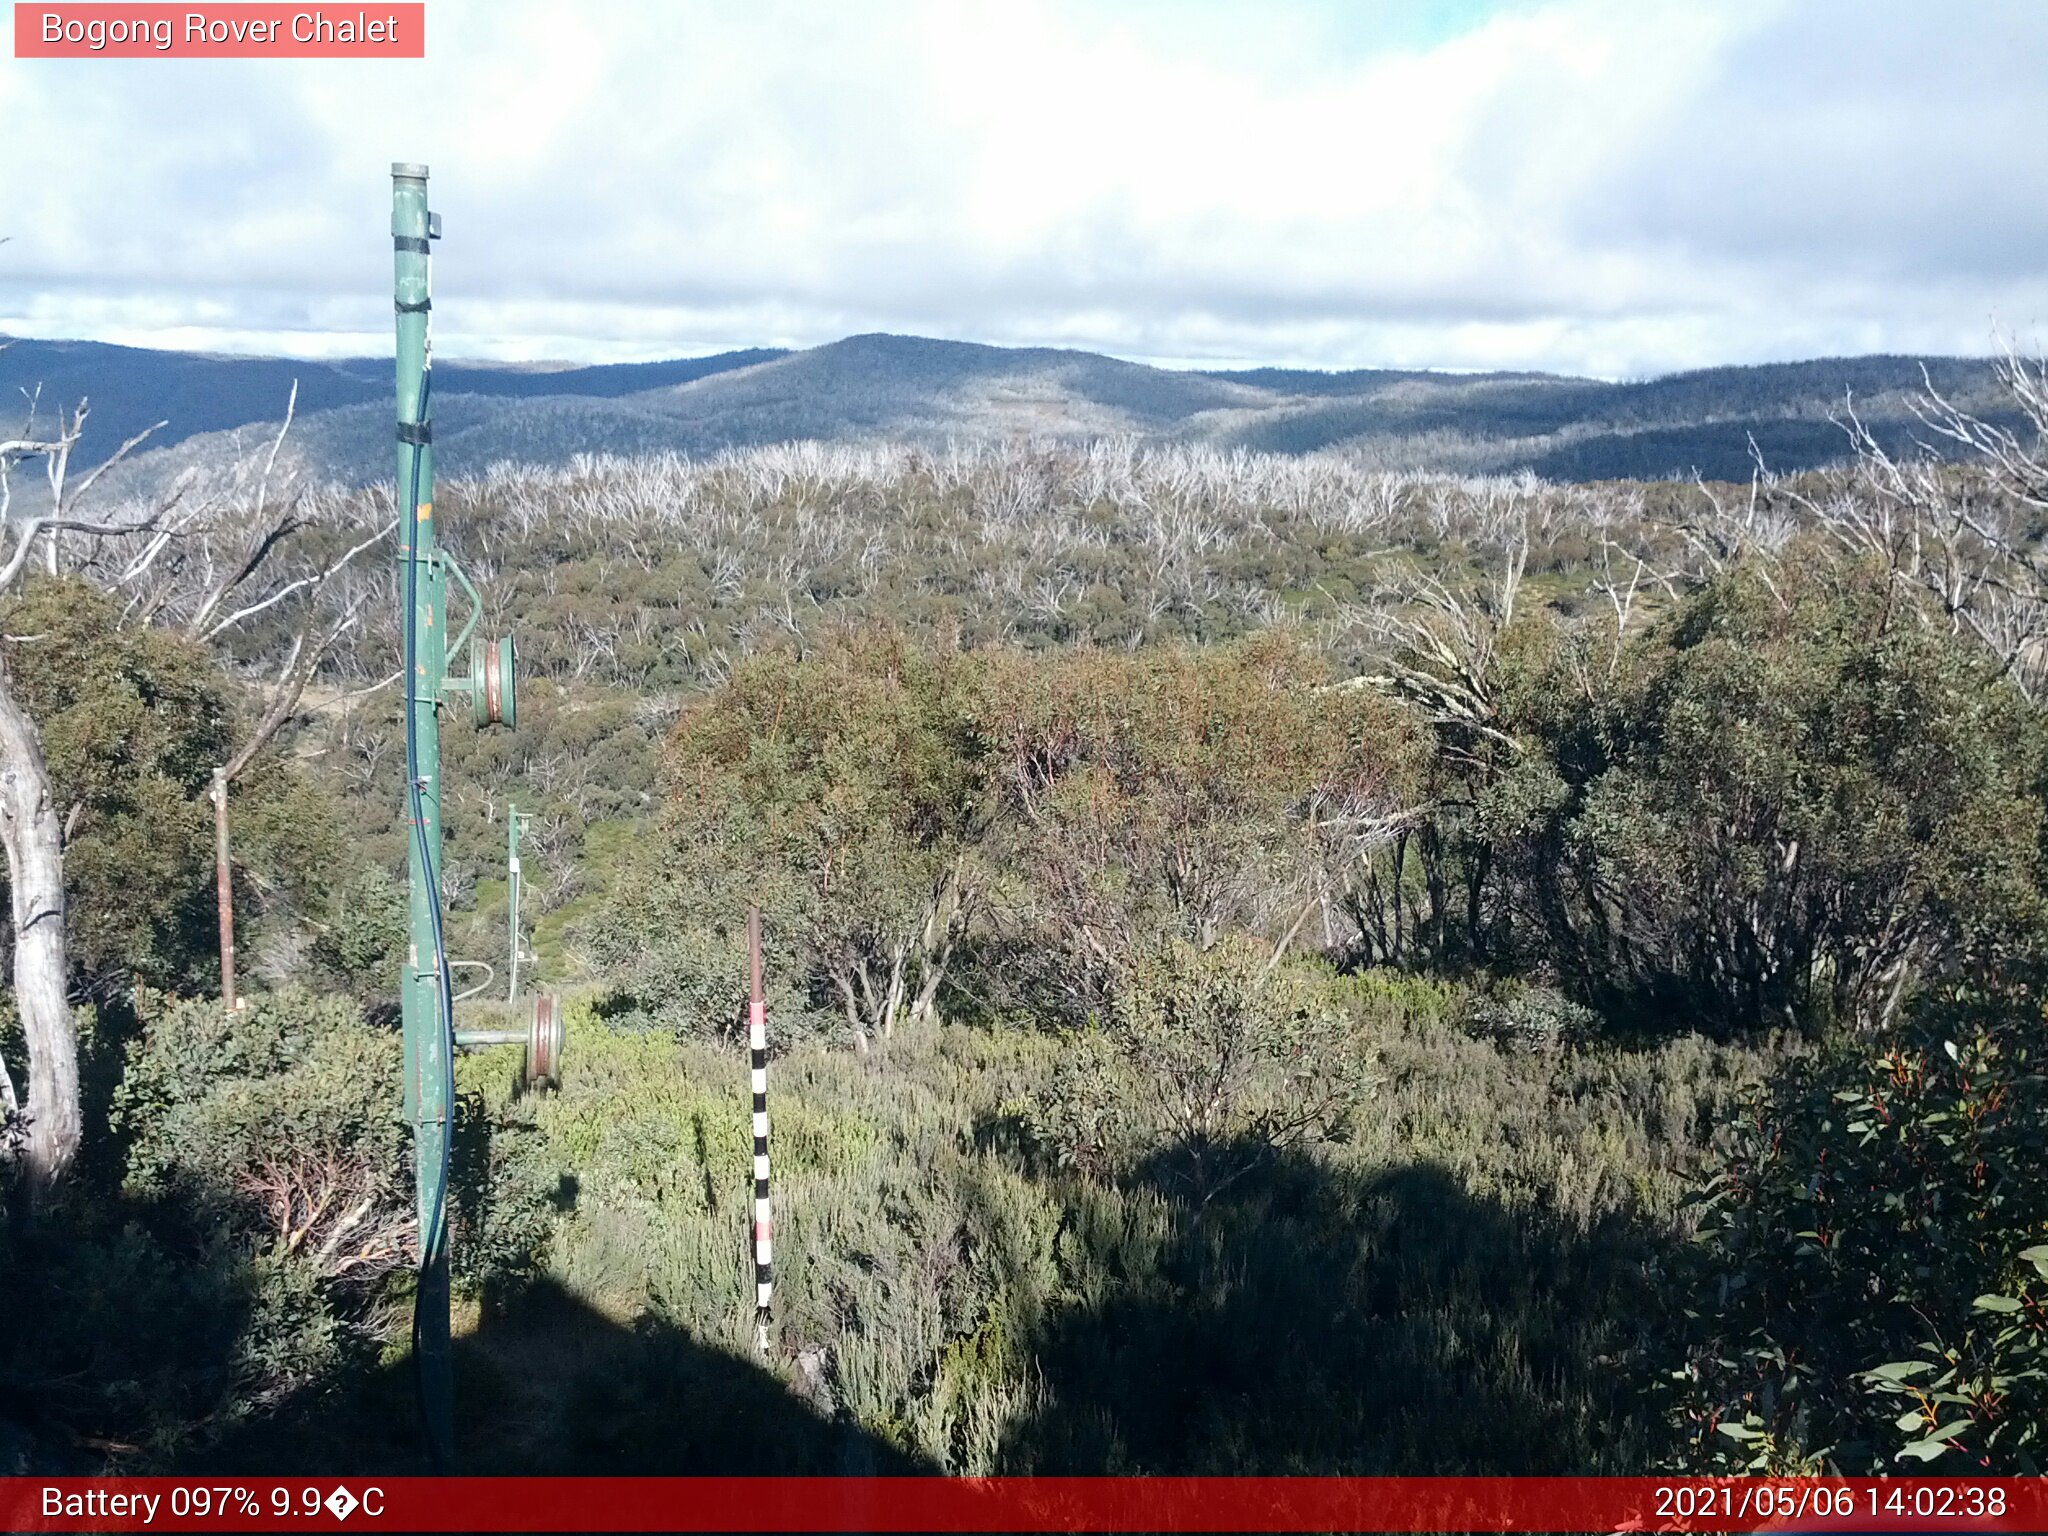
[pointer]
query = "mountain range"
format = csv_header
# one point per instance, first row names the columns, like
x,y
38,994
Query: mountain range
x,y
914,388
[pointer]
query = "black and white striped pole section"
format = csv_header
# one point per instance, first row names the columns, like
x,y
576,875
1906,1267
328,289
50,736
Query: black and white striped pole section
x,y
757,1045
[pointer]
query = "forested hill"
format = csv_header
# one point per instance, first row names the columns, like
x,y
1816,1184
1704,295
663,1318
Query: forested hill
x,y
916,389
193,393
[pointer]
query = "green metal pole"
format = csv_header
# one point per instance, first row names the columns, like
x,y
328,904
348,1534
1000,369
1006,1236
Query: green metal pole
x,y
427,1030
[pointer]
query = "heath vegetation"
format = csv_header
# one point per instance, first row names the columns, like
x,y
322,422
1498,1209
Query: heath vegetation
x,y
1274,966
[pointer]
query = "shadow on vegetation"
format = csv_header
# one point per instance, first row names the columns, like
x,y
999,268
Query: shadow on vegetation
x,y
547,1385
136,1321
999,980
1305,1321
163,1342
1245,1312
1297,1321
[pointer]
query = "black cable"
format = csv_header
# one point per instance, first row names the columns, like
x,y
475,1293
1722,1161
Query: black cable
x,y
432,1242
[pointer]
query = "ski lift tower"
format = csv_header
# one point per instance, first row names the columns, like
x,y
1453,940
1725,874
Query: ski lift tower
x,y
427,997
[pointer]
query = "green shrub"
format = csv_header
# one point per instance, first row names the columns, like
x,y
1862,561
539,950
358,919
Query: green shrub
x,y
672,963
842,793
284,1117
1079,1116
1459,1286
133,722
1178,793
502,1192
363,942
1790,803
1873,1292
153,1333
1530,1018
1211,1058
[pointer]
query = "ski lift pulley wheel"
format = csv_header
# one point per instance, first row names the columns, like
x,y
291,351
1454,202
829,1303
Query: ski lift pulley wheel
x,y
544,1042
493,694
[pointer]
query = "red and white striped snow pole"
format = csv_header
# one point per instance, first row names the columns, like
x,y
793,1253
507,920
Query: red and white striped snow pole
x,y
757,1044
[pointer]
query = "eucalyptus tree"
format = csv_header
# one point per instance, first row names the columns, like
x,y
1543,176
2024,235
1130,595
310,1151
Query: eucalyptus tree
x,y
843,792
244,564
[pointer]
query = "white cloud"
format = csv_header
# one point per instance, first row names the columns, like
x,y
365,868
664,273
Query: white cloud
x,y
1589,185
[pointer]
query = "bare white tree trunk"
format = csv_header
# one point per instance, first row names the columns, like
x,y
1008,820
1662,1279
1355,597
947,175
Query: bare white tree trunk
x,y
34,836
847,995
892,1000
224,888
924,1008
10,1106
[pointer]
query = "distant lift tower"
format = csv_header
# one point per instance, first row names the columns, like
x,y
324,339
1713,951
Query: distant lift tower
x,y
515,879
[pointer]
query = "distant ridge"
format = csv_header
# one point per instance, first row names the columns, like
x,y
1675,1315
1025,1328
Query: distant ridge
x,y
131,388
912,388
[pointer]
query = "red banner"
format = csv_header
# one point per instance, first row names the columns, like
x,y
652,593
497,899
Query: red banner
x,y
377,30
1022,1504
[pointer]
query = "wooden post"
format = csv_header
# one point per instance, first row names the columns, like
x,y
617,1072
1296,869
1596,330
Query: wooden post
x,y
224,888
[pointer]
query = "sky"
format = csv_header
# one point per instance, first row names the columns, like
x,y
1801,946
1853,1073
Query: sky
x,y
1610,187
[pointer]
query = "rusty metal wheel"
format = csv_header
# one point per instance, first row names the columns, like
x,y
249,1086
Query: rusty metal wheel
x,y
493,681
545,1038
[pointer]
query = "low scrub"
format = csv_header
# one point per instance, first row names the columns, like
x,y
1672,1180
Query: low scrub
x,y
957,1282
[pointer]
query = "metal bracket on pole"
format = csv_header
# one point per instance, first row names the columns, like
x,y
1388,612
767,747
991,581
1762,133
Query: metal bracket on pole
x,y
490,684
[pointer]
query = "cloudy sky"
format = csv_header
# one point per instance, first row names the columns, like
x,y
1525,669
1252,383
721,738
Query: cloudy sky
x,y
1615,187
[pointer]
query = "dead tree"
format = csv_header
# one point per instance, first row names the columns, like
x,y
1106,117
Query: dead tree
x,y
1951,517
1440,645
1962,532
